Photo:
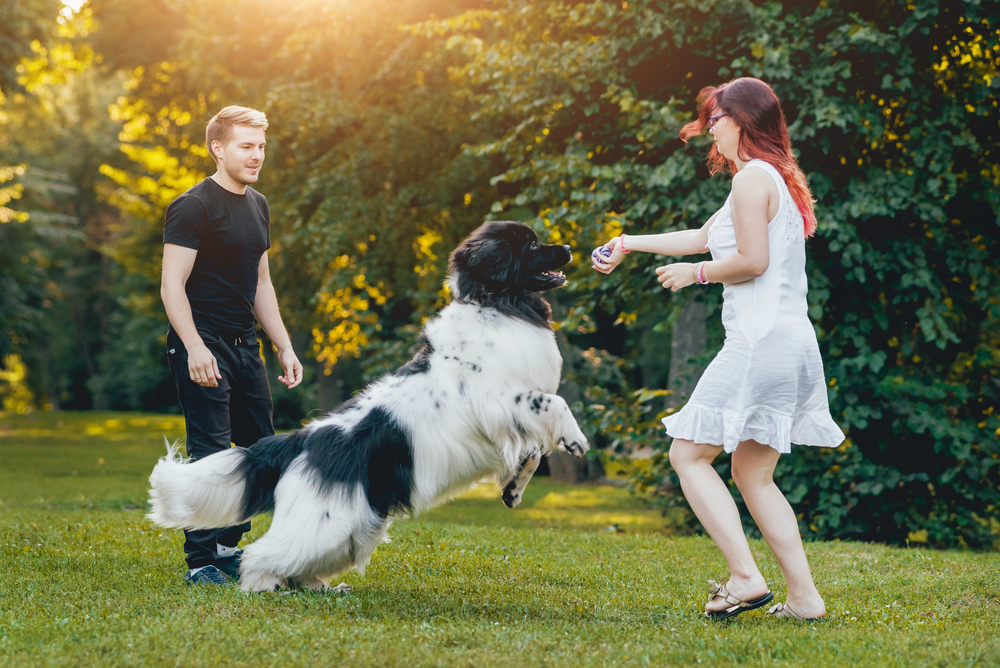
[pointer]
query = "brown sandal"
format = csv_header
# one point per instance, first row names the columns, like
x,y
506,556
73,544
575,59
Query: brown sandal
x,y
718,590
784,610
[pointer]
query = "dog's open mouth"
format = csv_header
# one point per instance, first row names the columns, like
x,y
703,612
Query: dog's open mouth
x,y
547,280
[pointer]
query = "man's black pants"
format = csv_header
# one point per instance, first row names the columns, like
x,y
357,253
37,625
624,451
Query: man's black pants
x,y
237,411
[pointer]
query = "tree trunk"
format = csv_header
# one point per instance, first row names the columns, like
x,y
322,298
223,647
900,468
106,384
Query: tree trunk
x,y
563,467
329,388
687,343
566,468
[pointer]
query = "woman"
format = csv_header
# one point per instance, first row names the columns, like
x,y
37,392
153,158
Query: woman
x,y
765,389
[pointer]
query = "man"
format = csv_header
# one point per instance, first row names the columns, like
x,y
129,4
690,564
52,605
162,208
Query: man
x,y
215,282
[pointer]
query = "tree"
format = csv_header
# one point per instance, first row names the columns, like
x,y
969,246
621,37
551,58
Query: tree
x,y
26,29
893,112
70,312
365,174
397,127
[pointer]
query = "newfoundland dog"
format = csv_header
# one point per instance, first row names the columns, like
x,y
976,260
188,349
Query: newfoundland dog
x,y
477,400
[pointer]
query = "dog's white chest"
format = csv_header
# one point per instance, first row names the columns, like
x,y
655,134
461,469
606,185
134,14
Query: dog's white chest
x,y
487,347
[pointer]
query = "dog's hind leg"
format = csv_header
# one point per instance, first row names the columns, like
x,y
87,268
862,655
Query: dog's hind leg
x,y
258,580
316,584
513,490
307,526
314,535
286,557
361,545
264,564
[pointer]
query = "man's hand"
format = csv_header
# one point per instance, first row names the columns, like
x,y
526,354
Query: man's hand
x,y
202,366
292,367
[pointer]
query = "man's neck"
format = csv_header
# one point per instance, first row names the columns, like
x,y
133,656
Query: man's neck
x,y
224,180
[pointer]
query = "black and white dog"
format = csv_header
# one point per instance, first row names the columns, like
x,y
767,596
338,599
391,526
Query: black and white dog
x,y
478,400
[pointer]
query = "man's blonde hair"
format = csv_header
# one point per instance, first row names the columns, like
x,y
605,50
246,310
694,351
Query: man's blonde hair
x,y
220,128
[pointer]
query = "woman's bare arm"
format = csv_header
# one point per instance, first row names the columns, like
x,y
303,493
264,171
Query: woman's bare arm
x,y
682,242
753,190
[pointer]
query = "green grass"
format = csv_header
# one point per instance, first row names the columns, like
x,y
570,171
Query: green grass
x,y
85,580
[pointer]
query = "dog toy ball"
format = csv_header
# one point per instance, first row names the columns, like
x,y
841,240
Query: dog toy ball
x,y
601,254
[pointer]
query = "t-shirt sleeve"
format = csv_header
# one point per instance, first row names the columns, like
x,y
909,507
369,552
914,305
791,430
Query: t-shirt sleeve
x,y
186,224
267,224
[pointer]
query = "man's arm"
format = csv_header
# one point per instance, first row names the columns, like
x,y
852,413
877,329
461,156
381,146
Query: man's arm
x,y
178,262
266,309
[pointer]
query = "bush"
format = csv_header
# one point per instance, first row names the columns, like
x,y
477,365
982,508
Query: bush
x,y
892,109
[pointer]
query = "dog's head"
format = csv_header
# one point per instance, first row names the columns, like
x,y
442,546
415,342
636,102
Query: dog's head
x,y
503,259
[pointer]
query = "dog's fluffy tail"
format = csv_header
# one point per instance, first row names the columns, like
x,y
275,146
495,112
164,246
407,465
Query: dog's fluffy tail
x,y
223,489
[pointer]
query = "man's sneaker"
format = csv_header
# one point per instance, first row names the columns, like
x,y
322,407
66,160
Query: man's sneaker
x,y
209,575
230,565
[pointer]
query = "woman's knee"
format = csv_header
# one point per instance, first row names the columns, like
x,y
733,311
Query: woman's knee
x,y
678,454
684,454
753,466
747,481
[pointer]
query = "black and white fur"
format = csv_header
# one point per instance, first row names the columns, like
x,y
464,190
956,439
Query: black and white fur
x,y
479,399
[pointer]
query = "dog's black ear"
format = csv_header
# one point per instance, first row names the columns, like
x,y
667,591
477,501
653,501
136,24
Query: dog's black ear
x,y
488,261
493,261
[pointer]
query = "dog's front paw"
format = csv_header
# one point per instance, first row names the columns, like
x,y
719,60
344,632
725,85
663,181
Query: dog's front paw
x,y
510,499
573,440
577,448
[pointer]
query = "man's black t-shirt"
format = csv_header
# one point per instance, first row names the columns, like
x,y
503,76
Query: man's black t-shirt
x,y
230,233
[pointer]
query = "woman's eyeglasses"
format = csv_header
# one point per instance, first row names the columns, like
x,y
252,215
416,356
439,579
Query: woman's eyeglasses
x,y
712,120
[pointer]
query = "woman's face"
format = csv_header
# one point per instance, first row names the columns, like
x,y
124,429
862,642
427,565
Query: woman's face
x,y
727,135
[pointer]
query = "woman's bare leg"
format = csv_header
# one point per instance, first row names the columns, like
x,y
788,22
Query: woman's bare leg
x,y
753,466
712,503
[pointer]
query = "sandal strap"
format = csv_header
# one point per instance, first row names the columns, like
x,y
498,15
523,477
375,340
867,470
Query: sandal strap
x,y
784,610
718,590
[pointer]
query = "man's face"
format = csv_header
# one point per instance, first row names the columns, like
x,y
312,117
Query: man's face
x,y
242,156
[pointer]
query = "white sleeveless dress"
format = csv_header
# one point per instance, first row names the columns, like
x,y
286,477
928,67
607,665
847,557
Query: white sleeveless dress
x,y
767,382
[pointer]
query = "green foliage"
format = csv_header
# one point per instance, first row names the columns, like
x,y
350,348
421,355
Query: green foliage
x,y
56,288
22,23
395,131
368,185
893,111
71,313
88,581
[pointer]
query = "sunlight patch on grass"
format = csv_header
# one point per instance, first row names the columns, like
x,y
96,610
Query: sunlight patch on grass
x,y
483,490
593,508
576,498
624,521
84,425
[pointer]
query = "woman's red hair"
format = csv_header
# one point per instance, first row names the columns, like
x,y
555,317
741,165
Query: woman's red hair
x,y
755,109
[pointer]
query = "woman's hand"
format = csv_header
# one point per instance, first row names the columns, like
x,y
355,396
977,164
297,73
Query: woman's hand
x,y
678,275
606,265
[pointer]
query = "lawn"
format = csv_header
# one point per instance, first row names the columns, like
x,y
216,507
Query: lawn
x,y
85,580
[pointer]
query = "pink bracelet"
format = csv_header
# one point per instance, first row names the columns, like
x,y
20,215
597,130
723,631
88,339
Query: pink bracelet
x,y
699,275
621,244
